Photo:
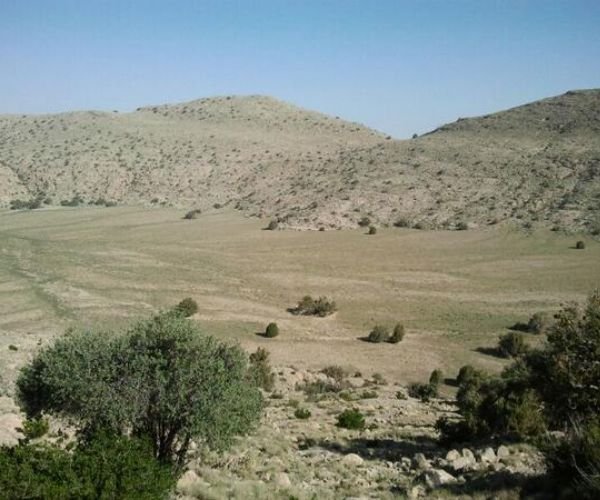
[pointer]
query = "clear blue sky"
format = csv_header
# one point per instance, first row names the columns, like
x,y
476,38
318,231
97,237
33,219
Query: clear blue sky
x,y
399,66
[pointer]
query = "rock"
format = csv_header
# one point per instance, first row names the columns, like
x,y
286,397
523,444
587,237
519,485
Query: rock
x,y
452,455
503,452
416,492
9,423
468,454
187,481
461,463
352,459
282,480
434,478
420,462
488,456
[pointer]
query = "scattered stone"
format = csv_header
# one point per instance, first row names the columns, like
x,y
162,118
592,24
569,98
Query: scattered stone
x,y
452,455
503,452
282,480
434,478
468,454
352,459
186,481
416,492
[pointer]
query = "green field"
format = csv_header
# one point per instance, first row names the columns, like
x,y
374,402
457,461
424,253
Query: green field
x,y
455,291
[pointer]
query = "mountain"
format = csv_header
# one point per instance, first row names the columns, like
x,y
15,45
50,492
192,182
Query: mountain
x,y
534,164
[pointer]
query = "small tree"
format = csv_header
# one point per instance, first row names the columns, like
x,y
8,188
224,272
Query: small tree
x,y
351,419
364,222
372,230
580,245
187,307
163,379
260,371
436,377
272,330
397,334
273,225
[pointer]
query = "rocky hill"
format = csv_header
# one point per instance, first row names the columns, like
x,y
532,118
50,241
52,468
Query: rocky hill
x,y
535,164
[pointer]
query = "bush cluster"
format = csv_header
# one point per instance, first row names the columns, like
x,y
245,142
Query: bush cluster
x,y
272,330
381,333
315,307
187,307
553,387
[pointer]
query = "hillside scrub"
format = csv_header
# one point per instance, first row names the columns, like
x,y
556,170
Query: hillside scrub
x,y
163,379
550,388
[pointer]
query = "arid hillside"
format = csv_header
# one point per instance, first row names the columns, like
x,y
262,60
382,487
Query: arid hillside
x,y
537,164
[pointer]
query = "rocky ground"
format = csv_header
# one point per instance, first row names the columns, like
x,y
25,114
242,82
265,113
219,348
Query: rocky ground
x,y
396,455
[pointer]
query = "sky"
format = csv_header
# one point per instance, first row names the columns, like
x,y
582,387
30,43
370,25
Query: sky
x,y
401,67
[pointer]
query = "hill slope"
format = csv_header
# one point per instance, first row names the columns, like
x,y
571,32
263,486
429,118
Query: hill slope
x,y
538,163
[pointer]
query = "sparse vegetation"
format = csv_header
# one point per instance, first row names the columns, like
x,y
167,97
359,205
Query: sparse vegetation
x,y
192,214
379,334
260,371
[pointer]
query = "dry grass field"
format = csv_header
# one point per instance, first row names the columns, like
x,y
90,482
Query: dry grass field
x,y
455,291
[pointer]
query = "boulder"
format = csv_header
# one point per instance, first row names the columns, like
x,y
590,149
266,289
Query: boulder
x,y
503,452
487,456
420,462
452,455
352,459
434,478
282,480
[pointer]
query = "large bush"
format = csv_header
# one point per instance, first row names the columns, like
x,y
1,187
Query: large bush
x,y
163,379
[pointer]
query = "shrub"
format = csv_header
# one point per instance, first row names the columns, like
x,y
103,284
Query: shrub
x,y
310,307
260,369
512,344
540,323
379,334
319,387
335,372
462,226
272,330
466,373
372,230
351,419
163,379
402,222
192,214
397,334
273,225
187,307
101,466
436,378
424,392
364,222
302,413
580,245
34,428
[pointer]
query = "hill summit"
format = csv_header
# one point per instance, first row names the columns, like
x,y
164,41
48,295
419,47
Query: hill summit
x,y
534,164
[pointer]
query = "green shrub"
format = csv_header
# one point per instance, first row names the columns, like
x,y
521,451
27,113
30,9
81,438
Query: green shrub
x,y
372,230
310,307
462,226
34,428
379,334
272,330
351,419
187,307
319,387
402,222
273,225
436,377
580,245
400,395
397,334
368,395
260,369
163,379
466,373
102,466
302,413
512,344
424,392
